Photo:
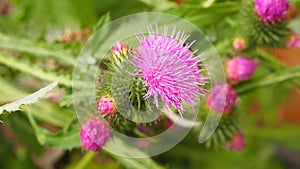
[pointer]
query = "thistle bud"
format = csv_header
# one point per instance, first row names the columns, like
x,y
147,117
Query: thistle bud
x,y
240,68
94,134
239,44
237,143
222,98
294,41
119,48
106,105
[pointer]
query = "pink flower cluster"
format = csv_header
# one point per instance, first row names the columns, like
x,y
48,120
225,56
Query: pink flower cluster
x,y
271,10
240,68
222,98
118,48
169,68
94,134
106,105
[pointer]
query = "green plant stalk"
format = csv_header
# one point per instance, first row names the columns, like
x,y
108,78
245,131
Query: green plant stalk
x,y
271,60
33,71
85,161
275,78
29,47
274,64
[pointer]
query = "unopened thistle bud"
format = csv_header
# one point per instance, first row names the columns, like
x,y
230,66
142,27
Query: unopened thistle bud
x,y
106,105
239,44
237,143
294,41
240,68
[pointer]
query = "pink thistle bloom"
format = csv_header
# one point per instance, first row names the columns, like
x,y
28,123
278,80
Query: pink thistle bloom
x,y
222,98
238,142
271,10
119,48
106,105
294,41
240,68
239,44
169,68
94,134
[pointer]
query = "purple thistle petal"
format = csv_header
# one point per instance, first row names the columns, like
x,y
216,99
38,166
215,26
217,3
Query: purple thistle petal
x,y
94,134
169,68
271,10
222,98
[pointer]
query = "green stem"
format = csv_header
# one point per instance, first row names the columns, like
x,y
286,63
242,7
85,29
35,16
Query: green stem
x,y
85,161
272,62
11,62
274,78
29,47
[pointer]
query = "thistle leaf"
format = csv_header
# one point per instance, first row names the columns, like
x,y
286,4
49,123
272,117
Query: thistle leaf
x,y
67,138
32,98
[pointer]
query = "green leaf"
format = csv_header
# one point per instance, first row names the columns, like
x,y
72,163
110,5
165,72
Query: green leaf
x,y
131,163
35,48
20,126
32,98
67,138
42,110
158,5
12,62
294,25
102,22
204,17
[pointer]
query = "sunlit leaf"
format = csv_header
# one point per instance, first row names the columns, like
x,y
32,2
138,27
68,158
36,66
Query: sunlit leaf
x,y
32,98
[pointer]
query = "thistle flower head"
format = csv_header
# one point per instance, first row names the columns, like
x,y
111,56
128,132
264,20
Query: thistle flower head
x,y
222,98
240,68
294,41
94,134
106,105
169,68
238,142
271,10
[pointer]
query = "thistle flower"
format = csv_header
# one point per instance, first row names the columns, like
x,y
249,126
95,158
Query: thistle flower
x,y
294,41
119,48
106,105
240,68
239,44
169,68
222,98
237,143
271,10
94,134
